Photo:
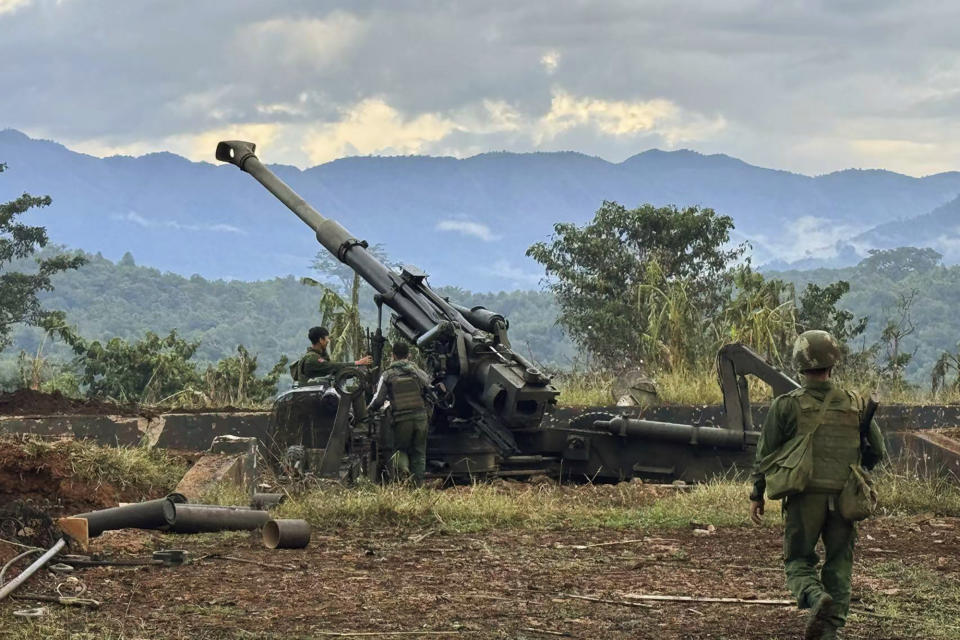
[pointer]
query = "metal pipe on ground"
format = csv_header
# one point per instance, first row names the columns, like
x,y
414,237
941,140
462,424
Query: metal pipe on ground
x,y
286,534
203,518
11,586
152,514
669,431
264,501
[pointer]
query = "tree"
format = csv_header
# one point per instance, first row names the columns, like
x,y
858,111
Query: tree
x,y
597,273
233,381
817,309
18,291
897,264
149,370
895,358
761,312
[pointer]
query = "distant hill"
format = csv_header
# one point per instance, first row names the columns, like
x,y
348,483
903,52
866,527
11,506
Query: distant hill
x,y
467,222
876,287
270,318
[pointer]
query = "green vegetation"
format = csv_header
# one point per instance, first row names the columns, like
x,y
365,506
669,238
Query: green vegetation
x,y
19,242
911,299
141,470
927,604
486,506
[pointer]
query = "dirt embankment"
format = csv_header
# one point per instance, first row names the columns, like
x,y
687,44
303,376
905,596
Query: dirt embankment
x,y
46,480
26,402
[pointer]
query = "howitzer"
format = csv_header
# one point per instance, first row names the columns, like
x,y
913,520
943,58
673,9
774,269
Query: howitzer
x,y
494,389
493,421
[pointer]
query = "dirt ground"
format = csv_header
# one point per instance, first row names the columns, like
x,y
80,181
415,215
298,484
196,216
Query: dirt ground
x,y
26,402
48,483
504,584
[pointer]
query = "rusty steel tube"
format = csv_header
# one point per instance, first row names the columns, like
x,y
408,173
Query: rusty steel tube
x,y
286,534
203,518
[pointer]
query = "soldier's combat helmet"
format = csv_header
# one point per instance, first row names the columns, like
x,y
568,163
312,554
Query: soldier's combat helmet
x,y
815,350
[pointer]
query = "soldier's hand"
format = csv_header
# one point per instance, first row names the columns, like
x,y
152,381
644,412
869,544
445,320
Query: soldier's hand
x,y
364,360
756,511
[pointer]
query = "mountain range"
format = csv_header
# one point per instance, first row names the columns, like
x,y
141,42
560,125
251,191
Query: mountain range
x,y
467,222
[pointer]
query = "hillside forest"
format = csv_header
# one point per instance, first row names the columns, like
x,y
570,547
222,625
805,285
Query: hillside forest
x,y
651,288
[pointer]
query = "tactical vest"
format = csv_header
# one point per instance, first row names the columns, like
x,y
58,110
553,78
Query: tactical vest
x,y
836,443
406,395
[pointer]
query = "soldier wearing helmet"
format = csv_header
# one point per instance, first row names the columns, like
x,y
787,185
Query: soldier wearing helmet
x,y
832,415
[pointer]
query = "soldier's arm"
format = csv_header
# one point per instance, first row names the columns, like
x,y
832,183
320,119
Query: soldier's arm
x,y
877,451
379,396
772,436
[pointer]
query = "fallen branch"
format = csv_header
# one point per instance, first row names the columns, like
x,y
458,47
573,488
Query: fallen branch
x,y
610,544
657,598
217,556
605,601
64,600
356,634
562,634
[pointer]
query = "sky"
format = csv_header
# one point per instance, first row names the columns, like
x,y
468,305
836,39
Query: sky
x,y
811,87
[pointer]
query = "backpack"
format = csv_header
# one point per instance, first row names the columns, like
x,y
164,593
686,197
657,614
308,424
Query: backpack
x,y
788,469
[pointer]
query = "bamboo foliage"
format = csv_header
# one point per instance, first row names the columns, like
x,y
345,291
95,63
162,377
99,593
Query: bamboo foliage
x,y
342,320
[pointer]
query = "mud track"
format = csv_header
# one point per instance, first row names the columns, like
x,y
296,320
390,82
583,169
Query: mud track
x,y
491,585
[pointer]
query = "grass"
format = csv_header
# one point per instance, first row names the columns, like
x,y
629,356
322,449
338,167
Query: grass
x,y
137,469
481,507
593,389
926,602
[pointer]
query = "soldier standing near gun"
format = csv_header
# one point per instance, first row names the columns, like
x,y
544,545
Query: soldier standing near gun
x,y
316,362
404,384
813,444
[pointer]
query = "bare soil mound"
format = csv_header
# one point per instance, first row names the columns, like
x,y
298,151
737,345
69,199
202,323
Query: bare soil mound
x,y
46,481
26,402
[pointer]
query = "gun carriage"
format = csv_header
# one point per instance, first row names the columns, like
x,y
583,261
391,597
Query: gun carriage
x,y
491,417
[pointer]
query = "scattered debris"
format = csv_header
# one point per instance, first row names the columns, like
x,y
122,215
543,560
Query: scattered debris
x,y
204,518
265,501
658,598
231,459
69,601
286,534
11,586
268,565
605,600
152,514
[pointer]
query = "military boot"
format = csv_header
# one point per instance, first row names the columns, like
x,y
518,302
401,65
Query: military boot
x,y
830,632
821,610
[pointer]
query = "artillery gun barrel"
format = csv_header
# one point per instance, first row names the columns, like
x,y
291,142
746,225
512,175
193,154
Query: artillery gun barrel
x,y
682,433
336,239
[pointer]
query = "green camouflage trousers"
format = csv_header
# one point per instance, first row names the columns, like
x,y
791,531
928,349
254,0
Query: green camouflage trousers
x,y
406,439
807,518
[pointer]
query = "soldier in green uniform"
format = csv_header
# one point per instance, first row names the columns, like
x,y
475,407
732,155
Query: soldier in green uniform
x,y
404,384
316,362
813,514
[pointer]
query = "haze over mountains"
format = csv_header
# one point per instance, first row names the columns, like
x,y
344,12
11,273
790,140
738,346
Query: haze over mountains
x,y
467,222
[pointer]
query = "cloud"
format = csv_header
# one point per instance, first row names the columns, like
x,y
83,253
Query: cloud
x,y
807,87
550,61
9,6
146,223
374,127
813,237
290,42
468,228
624,118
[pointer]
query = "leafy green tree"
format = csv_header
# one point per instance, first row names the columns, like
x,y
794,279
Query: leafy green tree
x,y
597,273
817,309
901,262
18,290
233,381
150,370
761,312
